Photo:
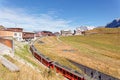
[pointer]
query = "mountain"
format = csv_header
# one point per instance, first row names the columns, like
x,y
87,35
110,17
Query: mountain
x,y
114,24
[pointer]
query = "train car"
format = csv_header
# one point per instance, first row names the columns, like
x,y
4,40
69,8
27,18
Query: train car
x,y
77,75
32,49
67,72
46,61
40,57
43,59
35,53
37,56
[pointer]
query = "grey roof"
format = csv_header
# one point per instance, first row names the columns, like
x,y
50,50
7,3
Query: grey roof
x,y
68,69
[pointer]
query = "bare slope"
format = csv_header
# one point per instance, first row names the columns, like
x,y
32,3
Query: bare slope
x,y
56,50
99,51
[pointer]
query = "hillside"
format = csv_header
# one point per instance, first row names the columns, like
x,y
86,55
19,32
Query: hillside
x,y
98,51
55,50
104,31
30,68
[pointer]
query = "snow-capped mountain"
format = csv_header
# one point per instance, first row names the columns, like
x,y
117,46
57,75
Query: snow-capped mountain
x,y
114,24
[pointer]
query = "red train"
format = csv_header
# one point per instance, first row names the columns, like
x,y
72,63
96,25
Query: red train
x,y
65,71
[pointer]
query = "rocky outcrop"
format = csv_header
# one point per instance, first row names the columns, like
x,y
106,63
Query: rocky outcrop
x,y
114,24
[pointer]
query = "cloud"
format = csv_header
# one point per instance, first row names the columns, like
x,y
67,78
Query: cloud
x,y
18,17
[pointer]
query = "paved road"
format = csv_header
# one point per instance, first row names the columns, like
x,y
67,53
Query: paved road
x,y
94,74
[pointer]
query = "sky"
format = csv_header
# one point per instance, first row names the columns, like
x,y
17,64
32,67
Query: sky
x,y
56,15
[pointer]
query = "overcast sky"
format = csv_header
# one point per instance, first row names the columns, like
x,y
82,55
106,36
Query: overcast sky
x,y
56,15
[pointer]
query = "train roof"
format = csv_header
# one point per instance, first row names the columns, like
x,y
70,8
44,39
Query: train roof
x,y
33,48
64,67
40,54
57,64
43,56
68,69
77,74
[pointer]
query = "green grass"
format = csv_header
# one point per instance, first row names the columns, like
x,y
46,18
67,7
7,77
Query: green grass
x,y
99,42
9,58
102,48
26,72
105,30
53,56
25,54
50,51
99,51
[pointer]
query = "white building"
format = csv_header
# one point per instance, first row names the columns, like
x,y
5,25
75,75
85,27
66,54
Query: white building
x,y
17,33
18,36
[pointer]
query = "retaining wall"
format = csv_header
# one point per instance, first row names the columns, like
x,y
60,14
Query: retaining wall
x,y
7,42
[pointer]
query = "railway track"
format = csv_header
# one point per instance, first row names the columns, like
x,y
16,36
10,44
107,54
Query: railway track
x,y
91,74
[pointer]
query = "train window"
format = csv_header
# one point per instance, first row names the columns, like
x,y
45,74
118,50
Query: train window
x,y
67,73
71,74
60,69
85,71
63,72
79,78
91,74
57,68
99,77
75,77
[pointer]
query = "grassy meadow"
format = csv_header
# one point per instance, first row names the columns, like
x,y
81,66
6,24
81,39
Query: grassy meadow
x,y
98,49
101,49
30,68
106,45
54,49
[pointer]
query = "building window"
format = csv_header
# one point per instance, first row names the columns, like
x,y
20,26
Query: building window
x,y
19,34
15,34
